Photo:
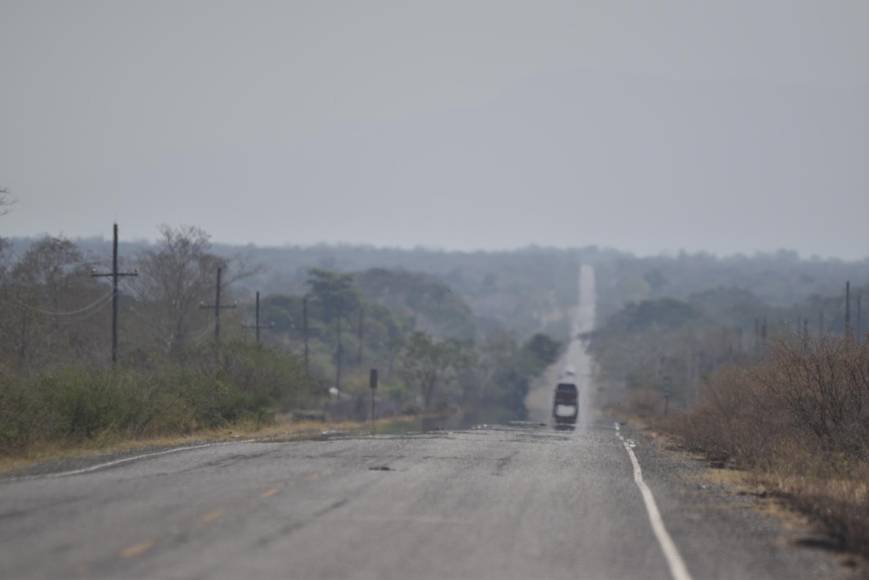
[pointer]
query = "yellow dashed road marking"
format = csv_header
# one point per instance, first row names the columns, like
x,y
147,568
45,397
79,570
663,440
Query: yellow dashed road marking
x,y
211,516
137,549
269,492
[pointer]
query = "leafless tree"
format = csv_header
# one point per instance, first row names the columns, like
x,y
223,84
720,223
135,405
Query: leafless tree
x,y
174,278
6,201
50,303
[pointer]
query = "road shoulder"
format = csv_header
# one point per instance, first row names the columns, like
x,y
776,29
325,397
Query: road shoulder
x,y
753,534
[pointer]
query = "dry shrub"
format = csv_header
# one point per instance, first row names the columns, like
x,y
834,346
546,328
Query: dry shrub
x,y
732,421
824,389
644,403
799,418
839,502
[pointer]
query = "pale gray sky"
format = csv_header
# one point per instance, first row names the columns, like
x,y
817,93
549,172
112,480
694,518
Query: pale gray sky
x,y
727,126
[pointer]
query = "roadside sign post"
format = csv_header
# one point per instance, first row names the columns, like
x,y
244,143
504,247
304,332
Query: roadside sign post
x,y
372,383
668,391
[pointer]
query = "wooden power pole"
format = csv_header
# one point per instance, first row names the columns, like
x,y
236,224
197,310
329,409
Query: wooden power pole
x,y
217,306
848,310
339,354
360,335
114,275
305,332
257,326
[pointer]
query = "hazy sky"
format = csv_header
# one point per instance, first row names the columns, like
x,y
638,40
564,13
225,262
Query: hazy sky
x,y
732,125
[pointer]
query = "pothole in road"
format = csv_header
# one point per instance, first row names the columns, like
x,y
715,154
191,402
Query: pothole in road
x,y
379,468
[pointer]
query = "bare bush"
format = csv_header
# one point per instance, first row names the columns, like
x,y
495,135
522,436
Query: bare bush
x,y
824,388
800,419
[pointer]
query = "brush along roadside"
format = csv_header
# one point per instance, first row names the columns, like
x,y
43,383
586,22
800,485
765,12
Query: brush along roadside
x,y
49,457
796,421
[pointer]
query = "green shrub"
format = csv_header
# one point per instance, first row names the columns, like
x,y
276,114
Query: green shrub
x,y
209,389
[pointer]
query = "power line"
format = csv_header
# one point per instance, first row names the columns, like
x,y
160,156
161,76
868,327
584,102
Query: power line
x,y
81,310
51,333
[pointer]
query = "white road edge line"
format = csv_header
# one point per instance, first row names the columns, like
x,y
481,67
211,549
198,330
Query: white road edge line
x,y
678,570
108,464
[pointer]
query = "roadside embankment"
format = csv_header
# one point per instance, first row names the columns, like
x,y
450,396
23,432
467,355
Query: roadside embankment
x,y
50,457
797,423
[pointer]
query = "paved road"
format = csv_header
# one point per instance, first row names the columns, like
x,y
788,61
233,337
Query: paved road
x,y
499,502
489,503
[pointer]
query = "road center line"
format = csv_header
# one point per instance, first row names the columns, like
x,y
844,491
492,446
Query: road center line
x,y
211,516
678,570
137,549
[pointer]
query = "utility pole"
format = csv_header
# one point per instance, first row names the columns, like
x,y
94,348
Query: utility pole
x,y
859,317
756,335
114,275
217,306
257,318
668,392
339,351
257,326
372,385
305,330
360,334
22,349
848,310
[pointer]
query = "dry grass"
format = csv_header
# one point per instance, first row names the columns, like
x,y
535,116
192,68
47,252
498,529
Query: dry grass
x,y
282,429
798,423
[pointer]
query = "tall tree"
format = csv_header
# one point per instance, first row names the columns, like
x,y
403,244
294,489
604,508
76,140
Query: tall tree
x,y
337,297
428,364
50,299
174,278
5,246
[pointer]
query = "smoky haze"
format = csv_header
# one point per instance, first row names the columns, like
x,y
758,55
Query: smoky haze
x,y
728,127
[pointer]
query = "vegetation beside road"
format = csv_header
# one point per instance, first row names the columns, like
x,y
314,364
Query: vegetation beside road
x,y
208,389
278,428
798,420
176,375
766,374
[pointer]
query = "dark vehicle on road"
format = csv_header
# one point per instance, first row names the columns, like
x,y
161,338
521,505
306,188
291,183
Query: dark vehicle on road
x,y
565,406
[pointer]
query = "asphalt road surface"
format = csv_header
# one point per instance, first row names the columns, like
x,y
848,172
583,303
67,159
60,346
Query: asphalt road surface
x,y
504,502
